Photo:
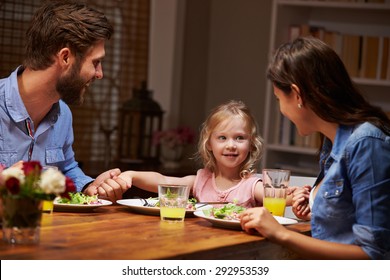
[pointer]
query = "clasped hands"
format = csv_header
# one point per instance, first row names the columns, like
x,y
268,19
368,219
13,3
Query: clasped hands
x,y
107,186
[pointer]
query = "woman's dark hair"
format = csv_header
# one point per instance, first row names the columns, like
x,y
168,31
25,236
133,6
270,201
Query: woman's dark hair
x,y
324,83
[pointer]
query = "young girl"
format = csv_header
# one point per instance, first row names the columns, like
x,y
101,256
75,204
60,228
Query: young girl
x,y
229,147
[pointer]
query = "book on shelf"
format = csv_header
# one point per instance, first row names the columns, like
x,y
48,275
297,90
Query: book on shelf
x,y
364,56
294,31
350,53
334,40
312,141
303,30
386,59
370,57
375,58
383,57
283,130
286,134
277,128
317,32
286,131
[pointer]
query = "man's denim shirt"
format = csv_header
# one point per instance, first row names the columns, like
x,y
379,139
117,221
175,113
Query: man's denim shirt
x,y
52,141
352,206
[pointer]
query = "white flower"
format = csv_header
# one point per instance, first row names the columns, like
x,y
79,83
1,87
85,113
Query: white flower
x,y
52,181
13,172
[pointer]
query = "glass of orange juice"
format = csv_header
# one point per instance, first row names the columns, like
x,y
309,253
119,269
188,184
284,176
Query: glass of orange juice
x,y
173,202
48,205
275,182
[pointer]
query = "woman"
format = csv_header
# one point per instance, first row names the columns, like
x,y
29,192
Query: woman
x,y
351,197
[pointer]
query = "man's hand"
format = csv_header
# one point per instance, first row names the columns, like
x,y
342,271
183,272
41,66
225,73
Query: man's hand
x,y
111,192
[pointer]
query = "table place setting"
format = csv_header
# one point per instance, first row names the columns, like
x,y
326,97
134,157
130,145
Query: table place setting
x,y
138,205
235,223
205,230
69,207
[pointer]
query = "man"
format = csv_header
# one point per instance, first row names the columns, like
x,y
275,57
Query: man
x,y
65,45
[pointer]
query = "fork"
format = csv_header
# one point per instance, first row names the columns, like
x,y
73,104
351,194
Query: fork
x,y
146,203
210,203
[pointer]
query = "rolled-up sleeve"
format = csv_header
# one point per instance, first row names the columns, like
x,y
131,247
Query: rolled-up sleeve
x,y
371,196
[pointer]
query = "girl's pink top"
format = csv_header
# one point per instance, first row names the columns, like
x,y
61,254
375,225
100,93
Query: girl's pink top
x,y
205,189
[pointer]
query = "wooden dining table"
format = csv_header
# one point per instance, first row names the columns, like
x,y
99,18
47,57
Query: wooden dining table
x,y
115,232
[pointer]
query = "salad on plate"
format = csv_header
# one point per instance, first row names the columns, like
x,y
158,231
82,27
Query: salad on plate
x,y
79,199
79,202
191,204
230,211
228,216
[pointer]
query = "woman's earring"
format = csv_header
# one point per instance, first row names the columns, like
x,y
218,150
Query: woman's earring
x,y
299,105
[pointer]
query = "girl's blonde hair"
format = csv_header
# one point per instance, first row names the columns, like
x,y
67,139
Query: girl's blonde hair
x,y
225,111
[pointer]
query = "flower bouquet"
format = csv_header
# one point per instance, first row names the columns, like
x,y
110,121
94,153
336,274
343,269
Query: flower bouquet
x,y
172,142
174,137
22,191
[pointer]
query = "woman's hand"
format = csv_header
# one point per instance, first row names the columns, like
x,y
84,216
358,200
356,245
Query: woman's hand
x,y
300,202
259,219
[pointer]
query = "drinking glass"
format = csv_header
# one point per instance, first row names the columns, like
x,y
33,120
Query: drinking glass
x,y
275,182
48,205
173,202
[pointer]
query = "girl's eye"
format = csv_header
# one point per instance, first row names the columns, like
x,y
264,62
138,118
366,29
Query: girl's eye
x,y
221,137
240,138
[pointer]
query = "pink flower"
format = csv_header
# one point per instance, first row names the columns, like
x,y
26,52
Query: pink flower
x,y
182,135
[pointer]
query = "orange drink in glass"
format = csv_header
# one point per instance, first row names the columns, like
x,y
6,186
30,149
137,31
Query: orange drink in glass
x,y
275,183
173,202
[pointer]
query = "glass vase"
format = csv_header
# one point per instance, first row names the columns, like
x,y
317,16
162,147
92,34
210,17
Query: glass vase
x,y
21,220
171,156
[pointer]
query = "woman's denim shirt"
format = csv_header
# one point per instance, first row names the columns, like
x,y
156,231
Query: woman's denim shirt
x,y
352,205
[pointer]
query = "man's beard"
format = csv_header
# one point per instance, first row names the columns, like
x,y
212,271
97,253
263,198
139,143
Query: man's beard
x,y
71,87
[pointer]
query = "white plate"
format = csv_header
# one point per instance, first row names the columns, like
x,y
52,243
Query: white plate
x,y
136,205
235,224
64,207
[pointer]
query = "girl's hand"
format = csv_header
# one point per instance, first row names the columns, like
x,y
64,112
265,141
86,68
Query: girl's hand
x,y
106,187
113,187
300,202
259,219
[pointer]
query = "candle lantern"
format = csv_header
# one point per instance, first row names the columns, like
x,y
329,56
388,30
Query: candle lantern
x,y
140,118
